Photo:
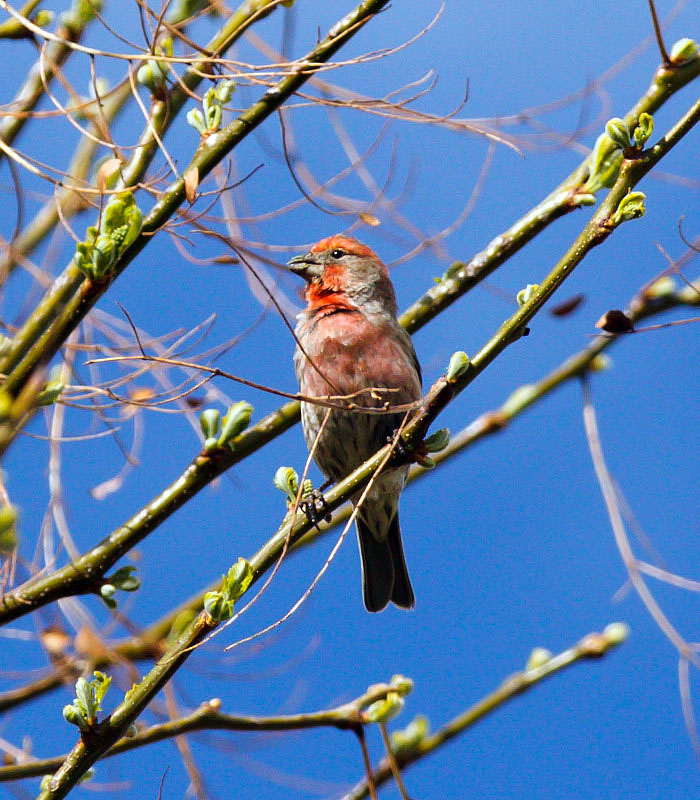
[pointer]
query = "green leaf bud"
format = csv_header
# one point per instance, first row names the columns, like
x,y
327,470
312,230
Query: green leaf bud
x,y
236,420
404,742
209,422
525,295
402,684
619,132
437,441
107,590
104,254
84,697
196,120
212,110
216,606
600,363
605,165
459,364
46,779
181,10
82,12
224,91
50,393
219,605
238,579
684,50
8,529
538,658
73,716
583,199
43,18
631,207
100,685
287,481
644,129
385,710
125,579
616,632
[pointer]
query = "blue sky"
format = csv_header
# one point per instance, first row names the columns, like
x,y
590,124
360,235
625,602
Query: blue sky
x,y
508,544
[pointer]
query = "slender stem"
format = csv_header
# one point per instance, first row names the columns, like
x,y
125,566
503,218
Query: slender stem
x,y
393,764
658,34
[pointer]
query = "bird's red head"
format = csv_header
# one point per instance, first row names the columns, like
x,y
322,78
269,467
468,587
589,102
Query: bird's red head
x,y
342,272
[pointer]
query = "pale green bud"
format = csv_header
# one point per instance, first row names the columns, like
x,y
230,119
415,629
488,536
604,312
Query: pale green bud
x,y
386,709
287,481
665,286
404,742
619,132
631,207
684,50
538,658
236,420
437,441
605,165
459,364
50,393
209,422
644,129
152,75
616,632
402,684
526,294
196,120
600,363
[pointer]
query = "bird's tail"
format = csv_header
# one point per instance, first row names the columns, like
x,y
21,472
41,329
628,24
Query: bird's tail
x,y
384,572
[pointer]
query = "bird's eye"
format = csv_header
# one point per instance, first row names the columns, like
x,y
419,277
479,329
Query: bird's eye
x,y
337,253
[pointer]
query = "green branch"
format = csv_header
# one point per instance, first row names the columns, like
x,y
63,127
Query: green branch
x,y
595,645
209,717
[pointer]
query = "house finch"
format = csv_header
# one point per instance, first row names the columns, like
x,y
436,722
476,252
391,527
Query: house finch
x,y
350,332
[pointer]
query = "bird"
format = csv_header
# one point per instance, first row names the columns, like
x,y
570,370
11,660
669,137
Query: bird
x,y
349,341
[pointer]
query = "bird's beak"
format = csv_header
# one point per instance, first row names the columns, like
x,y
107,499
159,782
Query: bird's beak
x,y
306,265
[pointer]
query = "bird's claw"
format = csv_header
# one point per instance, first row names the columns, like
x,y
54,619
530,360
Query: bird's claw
x,y
316,509
399,446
